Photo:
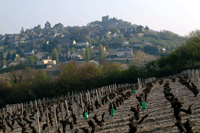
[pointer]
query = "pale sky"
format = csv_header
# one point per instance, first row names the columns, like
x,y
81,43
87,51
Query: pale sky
x,y
178,16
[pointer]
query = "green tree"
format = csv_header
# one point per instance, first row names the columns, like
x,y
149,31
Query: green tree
x,y
87,53
22,30
20,52
72,50
101,51
39,80
83,53
114,29
1,58
41,42
152,50
119,40
90,42
9,56
34,44
32,59
54,55
91,52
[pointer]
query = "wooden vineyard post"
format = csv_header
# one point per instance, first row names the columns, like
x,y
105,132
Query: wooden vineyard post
x,y
10,110
193,75
4,112
102,92
89,97
138,83
22,107
78,106
36,104
31,103
197,75
55,118
38,122
62,111
67,108
97,95
81,101
47,120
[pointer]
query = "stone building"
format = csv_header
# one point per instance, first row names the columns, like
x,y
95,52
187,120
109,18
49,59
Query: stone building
x,y
48,25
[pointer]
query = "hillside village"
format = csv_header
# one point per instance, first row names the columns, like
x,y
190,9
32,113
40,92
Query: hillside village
x,y
120,40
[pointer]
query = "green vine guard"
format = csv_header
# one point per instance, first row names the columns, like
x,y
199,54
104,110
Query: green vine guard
x,y
86,115
112,112
144,105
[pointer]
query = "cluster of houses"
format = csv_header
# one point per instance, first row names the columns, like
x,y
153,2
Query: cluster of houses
x,y
63,36
43,56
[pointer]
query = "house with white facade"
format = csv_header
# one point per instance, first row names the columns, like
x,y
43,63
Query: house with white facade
x,y
127,52
29,53
48,62
73,55
81,44
125,43
76,56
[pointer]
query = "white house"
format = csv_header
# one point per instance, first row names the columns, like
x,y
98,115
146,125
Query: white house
x,y
48,62
12,64
125,43
164,50
124,52
84,43
3,66
112,35
76,56
29,53
73,55
73,42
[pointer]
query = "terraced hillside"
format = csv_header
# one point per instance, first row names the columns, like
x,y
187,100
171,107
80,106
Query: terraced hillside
x,y
60,113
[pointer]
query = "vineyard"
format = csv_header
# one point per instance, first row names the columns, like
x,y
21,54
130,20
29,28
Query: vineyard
x,y
167,105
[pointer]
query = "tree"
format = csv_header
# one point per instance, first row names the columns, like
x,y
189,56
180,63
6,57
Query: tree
x,y
101,51
20,52
22,30
9,56
87,53
54,55
39,79
83,53
140,59
42,42
1,58
119,40
34,44
91,52
72,50
50,46
32,59
114,29
90,42
152,50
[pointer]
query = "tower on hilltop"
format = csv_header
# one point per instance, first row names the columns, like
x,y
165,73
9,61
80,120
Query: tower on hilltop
x,y
105,18
48,25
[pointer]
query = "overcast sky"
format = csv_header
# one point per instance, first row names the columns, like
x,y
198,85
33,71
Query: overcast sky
x,y
178,16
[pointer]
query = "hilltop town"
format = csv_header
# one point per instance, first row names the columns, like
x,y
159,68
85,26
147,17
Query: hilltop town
x,y
118,40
